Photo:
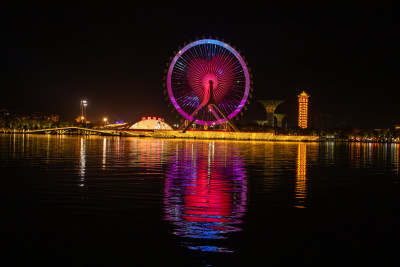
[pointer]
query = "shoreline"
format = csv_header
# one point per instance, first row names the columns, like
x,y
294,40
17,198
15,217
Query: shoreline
x,y
196,134
221,135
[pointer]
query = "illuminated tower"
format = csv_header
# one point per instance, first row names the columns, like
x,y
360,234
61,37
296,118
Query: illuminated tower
x,y
270,106
279,119
303,109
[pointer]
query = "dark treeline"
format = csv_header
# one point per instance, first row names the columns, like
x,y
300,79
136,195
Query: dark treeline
x,y
13,122
347,133
19,123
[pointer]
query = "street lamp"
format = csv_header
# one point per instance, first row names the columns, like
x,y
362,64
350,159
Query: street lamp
x,y
83,110
105,121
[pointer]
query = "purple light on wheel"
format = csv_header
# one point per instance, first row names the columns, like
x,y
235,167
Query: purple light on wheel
x,y
190,72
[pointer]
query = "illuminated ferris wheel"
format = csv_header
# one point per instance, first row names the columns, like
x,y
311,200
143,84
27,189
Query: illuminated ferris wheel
x,y
208,82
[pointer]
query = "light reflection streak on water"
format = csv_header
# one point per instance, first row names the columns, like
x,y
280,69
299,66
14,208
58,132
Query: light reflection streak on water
x,y
397,165
329,152
374,154
205,194
104,152
48,149
301,176
395,155
355,155
151,154
82,161
23,144
14,145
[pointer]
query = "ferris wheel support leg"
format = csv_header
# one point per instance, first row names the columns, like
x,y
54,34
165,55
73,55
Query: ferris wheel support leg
x,y
230,122
226,118
194,119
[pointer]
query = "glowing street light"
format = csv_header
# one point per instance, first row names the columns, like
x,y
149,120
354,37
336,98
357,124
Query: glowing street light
x,y
105,121
84,104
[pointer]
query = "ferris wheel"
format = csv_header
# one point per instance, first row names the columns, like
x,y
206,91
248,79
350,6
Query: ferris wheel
x,y
208,82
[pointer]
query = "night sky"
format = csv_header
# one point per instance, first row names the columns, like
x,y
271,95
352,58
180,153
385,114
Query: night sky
x,y
113,55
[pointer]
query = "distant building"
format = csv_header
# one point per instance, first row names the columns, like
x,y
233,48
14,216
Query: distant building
x,y
44,116
4,112
151,123
31,116
303,110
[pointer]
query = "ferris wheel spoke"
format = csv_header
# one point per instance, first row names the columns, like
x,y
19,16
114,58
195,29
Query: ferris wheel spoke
x,y
189,106
187,99
228,106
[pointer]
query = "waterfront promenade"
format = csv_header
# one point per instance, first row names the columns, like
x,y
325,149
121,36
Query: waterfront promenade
x,y
179,134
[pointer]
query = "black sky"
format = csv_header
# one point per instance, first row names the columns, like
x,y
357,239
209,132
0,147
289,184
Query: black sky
x,y
53,55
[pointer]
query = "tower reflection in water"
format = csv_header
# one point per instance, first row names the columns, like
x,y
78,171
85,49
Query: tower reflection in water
x,y
205,194
301,178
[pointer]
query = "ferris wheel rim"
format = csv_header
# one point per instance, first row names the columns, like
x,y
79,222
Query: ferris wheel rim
x,y
236,55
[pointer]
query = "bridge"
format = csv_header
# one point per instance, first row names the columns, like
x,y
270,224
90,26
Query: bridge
x,y
76,130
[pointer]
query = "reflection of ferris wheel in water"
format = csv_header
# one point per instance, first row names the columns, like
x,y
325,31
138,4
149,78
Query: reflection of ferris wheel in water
x,y
208,82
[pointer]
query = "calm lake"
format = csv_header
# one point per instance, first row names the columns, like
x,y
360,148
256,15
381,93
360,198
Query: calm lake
x,y
110,201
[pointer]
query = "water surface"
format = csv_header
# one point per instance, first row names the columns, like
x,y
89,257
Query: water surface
x,y
110,201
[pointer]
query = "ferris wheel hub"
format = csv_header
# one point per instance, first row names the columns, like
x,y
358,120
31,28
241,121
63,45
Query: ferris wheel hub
x,y
206,80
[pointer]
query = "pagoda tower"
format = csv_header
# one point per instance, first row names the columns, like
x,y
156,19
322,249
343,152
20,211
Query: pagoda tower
x,y
303,110
270,107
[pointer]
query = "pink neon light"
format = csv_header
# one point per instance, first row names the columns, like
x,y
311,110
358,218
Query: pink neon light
x,y
200,72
